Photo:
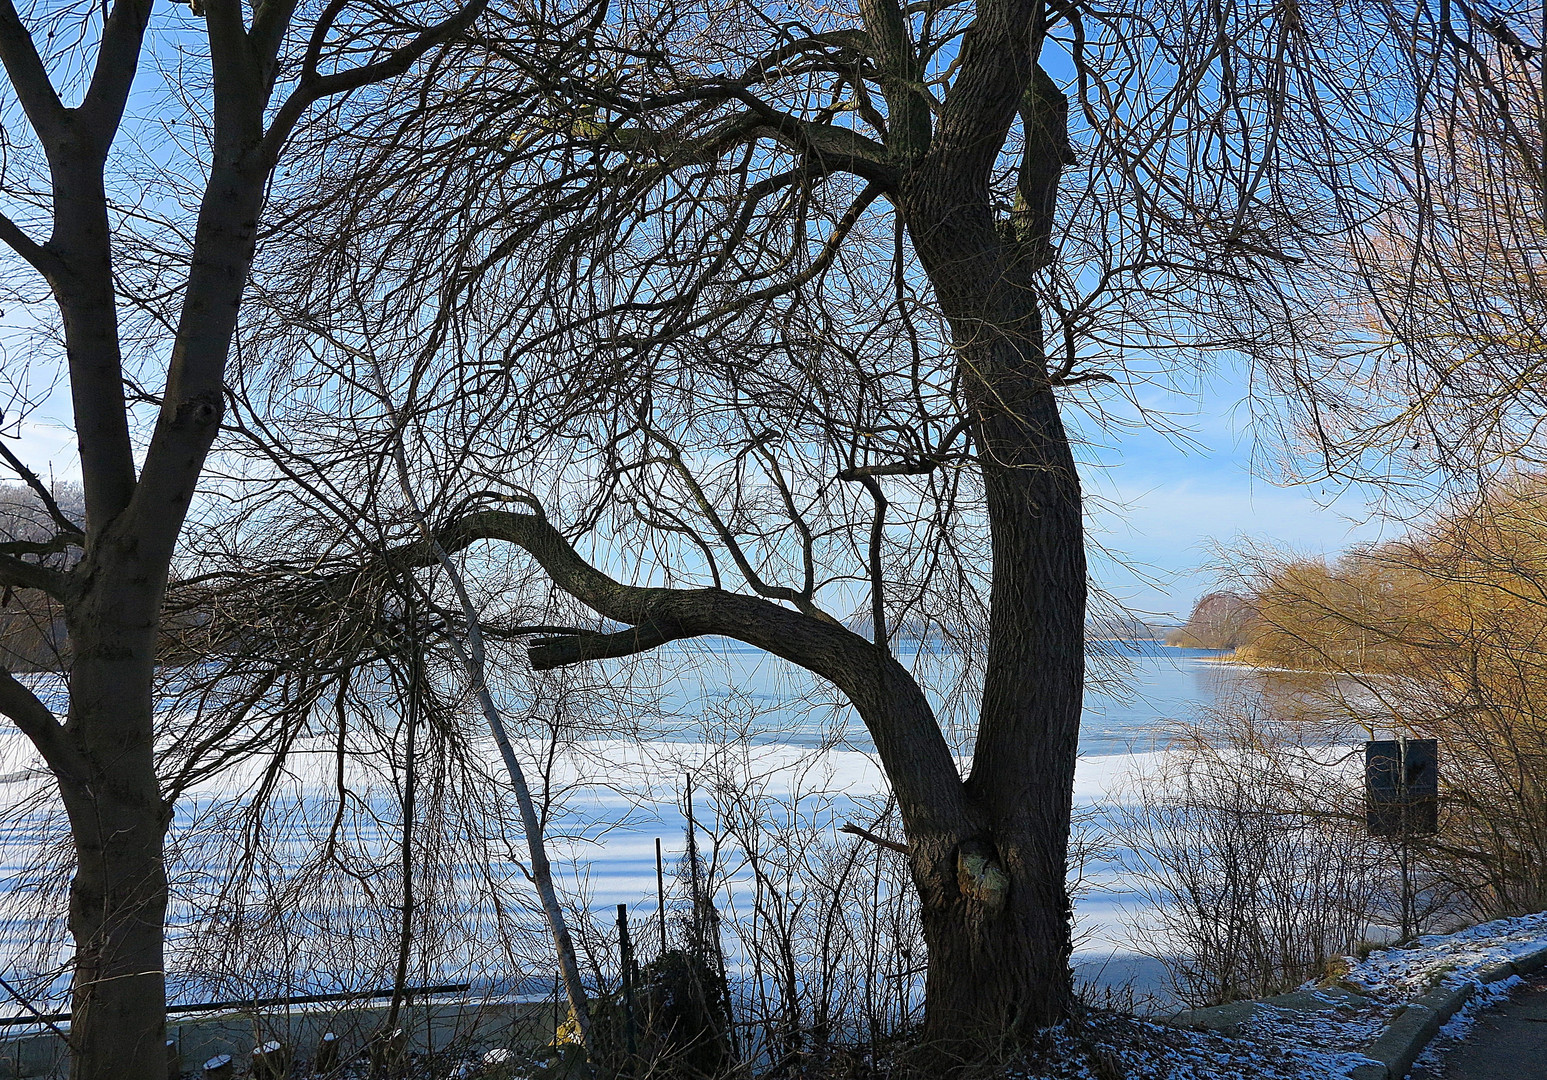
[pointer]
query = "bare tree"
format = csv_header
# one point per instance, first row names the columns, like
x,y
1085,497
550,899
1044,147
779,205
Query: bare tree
x,y
72,74
761,323
1443,263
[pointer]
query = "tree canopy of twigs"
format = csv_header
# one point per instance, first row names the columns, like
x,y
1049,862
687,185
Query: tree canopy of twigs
x,y
132,234
1446,247
765,321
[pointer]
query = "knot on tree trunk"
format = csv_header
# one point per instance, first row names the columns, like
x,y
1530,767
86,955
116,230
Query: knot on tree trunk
x,y
980,877
200,410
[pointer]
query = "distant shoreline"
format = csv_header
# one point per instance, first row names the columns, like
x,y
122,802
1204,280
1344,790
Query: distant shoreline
x,y
1233,662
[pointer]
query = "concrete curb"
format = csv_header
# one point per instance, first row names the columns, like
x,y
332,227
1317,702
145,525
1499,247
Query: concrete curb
x,y
1393,1054
1410,1030
1228,1019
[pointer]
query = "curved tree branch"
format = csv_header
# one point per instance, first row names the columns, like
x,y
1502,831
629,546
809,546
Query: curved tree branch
x,y
30,575
315,87
28,77
908,738
40,725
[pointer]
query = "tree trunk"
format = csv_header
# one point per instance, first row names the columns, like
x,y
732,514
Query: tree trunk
x,y
118,898
996,973
995,909
1029,721
988,854
999,943
103,756
118,820
999,947
117,914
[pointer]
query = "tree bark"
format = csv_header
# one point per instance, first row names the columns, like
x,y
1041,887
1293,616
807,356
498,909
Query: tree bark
x,y
999,947
118,902
998,951
118,823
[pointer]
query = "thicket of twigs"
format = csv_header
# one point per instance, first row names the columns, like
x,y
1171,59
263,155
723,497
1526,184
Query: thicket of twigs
x,y
1442,634
1257,844
1248,851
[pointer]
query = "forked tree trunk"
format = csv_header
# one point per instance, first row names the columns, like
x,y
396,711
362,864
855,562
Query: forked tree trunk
x,y
103,756
988,854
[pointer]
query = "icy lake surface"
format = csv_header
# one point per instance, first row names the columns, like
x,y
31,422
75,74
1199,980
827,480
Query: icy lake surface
x,y
624,793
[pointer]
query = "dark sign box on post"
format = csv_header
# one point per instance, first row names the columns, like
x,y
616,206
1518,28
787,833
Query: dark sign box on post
x,y
1402,787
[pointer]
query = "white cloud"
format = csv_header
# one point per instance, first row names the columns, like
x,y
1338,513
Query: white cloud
x,y
1164,529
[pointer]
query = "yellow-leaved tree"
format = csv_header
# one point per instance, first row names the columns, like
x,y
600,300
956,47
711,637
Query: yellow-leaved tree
x,y
1442,634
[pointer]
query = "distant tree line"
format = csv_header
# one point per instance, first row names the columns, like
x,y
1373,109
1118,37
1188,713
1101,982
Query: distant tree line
x,y
1219,620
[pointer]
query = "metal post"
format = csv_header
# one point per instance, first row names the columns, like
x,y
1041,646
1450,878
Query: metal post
x,y
660,893
626,953
1409,913
698,949
1406,829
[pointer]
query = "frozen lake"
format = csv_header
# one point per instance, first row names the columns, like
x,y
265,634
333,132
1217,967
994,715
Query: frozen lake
x,y
1127,709
720,710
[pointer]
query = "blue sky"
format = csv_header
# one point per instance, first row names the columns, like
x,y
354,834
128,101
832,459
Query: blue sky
x,y
1158,506
1162,505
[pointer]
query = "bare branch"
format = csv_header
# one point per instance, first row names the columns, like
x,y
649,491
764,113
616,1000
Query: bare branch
x,y
40,489
315,87
39,257
30,575
556,652
865,834
894,468
29,78
118,59
801,599
893,707
40,726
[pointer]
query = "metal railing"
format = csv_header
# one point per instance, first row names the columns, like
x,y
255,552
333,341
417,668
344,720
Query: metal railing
x,y
264,1003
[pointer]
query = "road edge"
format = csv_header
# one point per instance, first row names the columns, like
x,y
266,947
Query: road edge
x,y
1414,1027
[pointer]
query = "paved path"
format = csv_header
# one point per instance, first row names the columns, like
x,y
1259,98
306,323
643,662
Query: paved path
x,y
1508,1042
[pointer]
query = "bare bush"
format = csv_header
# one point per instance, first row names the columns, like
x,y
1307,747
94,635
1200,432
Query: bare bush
x,y
1247,850
1438,635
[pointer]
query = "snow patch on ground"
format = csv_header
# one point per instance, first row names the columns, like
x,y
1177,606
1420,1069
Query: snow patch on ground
x,y
1135,1050
1460,1026
1328,1043
1448,959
